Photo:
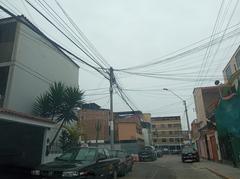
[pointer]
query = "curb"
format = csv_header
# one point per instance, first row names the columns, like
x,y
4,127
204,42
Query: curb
x,y
218,174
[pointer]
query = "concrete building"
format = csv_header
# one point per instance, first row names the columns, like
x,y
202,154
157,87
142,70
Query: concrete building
x,y
167,132
206,100
231,71
90,117
29,62
128,130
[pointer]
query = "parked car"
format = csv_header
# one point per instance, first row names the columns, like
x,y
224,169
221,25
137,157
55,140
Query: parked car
x,y
159,153
166,151
189,153
147,153
175,151
126,161
80,162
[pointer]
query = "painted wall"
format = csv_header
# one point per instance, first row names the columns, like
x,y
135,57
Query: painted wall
x,y
127,131
88,119
36,64
199,105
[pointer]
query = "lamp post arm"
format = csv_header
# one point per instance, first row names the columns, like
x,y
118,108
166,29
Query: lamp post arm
x,y
176,95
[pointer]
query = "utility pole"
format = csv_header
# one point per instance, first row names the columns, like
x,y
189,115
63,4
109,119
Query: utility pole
x,y
188,125
111,109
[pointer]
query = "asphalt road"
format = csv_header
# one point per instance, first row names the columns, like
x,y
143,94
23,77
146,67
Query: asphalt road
x,y
169,167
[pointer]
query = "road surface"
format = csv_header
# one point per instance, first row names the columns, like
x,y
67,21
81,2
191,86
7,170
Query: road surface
x,y
169,167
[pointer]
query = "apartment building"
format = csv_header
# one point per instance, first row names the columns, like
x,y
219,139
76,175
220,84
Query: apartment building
x,y
167,132
29,62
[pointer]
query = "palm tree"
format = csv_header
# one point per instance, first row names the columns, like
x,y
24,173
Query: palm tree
x,y
58,103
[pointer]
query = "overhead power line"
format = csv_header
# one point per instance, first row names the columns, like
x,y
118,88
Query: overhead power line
x,y
36,30
62,34
176,56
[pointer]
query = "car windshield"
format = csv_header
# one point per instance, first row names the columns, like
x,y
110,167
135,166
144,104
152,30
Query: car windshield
x,y
117,153
83,154
188,150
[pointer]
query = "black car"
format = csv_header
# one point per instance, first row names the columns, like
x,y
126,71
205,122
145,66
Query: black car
x,y
148,153
189,153
126,161
79,163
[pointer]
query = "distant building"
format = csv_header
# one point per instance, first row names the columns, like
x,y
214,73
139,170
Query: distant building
x,y
167,132
93,122
128,130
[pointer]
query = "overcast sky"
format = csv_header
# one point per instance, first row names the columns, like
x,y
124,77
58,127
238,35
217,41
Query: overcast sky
x,y
134,32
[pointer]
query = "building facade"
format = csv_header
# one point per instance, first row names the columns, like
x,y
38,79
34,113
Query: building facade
x,y
94,124
231,70
204,127
128,130
29,63
167,132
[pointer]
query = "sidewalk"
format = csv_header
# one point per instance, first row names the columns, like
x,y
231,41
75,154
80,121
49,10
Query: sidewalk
x,y
222,170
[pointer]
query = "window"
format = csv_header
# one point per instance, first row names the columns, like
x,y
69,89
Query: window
x,y
228,72
171,140
86,154
169,125
164,140
101,154
107,153
7,34
170,132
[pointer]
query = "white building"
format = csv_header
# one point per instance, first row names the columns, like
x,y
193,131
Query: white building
x,y
29,62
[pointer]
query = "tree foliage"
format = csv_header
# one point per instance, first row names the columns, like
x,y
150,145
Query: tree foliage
x,y
58,103
69,137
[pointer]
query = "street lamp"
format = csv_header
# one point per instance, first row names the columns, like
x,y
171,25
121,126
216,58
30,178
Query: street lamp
x,y
186,111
